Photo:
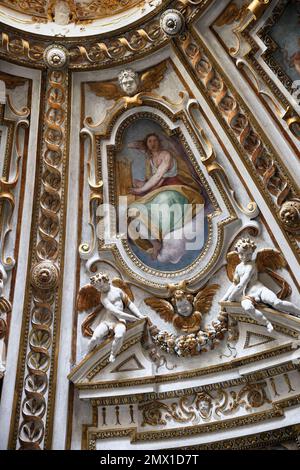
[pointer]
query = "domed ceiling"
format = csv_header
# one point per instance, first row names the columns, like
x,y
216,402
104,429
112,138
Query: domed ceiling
x,y
74,17
80,10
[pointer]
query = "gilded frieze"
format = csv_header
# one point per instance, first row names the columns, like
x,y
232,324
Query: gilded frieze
x,y
35,387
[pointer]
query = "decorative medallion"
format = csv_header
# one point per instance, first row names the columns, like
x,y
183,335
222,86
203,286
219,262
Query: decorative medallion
x,y
290,215
172,22
56,57
45,276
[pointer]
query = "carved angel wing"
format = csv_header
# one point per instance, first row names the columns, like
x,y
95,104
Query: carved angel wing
x,y
86,324
204,298
162,307
88,297
232,262
107,90
151,79
269,259
124,286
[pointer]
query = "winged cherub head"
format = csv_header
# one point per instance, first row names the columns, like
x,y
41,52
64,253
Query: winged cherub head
x,y
204,405
183,303
101,282
245,249
128,81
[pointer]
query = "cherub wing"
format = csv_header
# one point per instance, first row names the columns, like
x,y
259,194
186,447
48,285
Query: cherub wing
x,y
151,79
107,90
162,307
88,297
87,322
204,298
232,262
117,282
269,259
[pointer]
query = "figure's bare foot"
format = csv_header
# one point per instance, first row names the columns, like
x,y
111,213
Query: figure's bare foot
x,y
112,358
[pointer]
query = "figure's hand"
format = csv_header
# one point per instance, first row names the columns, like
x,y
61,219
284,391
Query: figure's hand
x,y
135,191
138,183
141,316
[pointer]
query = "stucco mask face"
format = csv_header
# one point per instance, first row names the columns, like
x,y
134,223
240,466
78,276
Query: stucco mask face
x,y
204,407
128,81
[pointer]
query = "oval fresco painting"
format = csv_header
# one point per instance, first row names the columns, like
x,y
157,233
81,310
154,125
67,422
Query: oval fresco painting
x,y
165,202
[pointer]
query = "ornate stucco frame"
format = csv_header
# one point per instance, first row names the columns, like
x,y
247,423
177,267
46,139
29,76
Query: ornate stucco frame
x,y
174,119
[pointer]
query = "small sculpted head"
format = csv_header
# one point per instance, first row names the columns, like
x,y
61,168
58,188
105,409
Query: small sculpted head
x,y
128,81
245,249
204,404
183,303
101,282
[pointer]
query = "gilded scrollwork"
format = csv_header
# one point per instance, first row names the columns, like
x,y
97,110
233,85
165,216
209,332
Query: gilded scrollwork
x,y
79,11
248,52
87,248
87,55
5,309
204,406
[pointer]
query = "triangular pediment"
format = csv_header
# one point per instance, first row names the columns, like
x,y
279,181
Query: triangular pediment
x,y
257,339
133,371
130,362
